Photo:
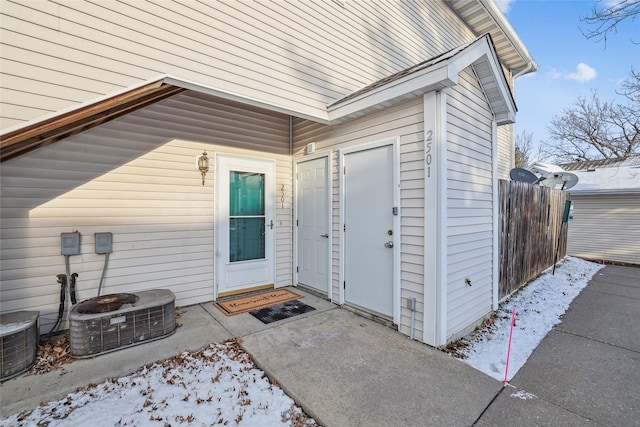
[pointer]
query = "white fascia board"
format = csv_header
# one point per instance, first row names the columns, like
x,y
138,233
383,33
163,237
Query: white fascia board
x,y
220,93
484,50
435,77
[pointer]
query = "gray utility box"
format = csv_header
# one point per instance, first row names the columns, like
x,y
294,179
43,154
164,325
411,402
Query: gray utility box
x,y
70,243
104,243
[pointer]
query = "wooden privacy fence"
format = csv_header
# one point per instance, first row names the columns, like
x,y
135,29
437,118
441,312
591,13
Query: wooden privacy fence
x,y
530,232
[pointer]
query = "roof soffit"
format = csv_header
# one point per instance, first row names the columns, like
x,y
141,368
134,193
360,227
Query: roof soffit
x,y
483,16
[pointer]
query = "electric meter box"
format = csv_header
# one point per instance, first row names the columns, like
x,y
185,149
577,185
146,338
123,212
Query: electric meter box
x,y
70,243
568,211
103,243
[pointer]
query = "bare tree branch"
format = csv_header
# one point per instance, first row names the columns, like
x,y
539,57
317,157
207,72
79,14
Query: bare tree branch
x,y
606,15
524,145
593,129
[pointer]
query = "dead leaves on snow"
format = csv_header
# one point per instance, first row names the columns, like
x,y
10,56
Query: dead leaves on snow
x,y
455,348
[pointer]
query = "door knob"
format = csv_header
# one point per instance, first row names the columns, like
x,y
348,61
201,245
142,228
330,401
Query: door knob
x,y
325,235
388,244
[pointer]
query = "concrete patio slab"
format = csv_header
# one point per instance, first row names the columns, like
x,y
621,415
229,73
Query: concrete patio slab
x,y
350,371
594,379
243,324
515,407
604,317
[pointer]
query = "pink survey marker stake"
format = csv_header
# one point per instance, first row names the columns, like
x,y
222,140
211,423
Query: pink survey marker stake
x,y
513,322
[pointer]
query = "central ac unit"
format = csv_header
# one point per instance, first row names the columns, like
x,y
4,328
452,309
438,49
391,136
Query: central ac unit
x,y
19,335
112,322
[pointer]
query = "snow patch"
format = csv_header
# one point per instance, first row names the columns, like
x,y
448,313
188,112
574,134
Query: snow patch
x,y
539,307
216,385
521,394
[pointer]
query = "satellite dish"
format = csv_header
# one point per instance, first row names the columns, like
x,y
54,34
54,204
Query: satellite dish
x,y
565,180
522,175
569,179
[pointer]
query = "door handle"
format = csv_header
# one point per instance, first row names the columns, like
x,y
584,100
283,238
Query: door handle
x,y
388,244
325,235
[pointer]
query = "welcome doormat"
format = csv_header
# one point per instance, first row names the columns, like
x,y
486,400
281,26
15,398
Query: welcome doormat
x,y
281,311
256,301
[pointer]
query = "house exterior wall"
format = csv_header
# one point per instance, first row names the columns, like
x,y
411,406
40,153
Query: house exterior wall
x,y
302,55
403,121
506,150
299,56
469,201
605,226
134,177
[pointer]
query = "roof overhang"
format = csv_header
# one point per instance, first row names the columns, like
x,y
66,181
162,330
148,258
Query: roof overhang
x,y
484,17
35,134
46,130
435,74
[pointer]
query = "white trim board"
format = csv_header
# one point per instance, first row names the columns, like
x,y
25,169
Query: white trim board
x,y
435,219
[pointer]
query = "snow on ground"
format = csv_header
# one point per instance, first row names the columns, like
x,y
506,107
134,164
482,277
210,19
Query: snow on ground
x,y
218,385
539,306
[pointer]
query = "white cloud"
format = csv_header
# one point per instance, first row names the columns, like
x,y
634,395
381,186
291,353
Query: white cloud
x,y
613,4
504,5
584,73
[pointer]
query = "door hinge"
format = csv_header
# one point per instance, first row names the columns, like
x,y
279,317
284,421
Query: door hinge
x,y
344,170
297,269
297,223
344,285
344,227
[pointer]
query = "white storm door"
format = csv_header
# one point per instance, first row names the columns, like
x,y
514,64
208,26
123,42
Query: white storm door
x,y
245,223
369,229
313,224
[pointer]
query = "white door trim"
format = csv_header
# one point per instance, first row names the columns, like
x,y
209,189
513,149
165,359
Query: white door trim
x,y
322,154
270,214
395,143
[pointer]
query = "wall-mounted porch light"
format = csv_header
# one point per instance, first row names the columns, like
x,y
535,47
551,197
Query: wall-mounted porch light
x,y
203,164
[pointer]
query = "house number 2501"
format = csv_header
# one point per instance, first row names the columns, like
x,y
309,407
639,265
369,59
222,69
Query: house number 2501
x,y
428,140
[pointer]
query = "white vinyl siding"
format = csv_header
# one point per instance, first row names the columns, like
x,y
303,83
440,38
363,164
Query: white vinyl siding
x,y
469,204
506,151
300,56
405,121
605,226
135,177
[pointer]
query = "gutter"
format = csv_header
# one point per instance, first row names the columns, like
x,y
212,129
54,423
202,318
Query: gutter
x,y
499,19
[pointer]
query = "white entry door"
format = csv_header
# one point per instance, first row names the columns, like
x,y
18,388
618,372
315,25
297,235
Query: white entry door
x,y
245,223
313,224
369,229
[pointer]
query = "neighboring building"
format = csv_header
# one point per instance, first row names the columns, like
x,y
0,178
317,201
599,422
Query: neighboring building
x,y
355,149
606,210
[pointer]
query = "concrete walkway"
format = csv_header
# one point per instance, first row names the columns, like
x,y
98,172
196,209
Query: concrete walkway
x,y
345,370
586,371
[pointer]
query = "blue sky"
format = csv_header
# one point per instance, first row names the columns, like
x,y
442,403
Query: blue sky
x,y
570,65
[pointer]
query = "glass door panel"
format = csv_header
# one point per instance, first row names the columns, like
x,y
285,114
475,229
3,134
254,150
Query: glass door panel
x,y
246,216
